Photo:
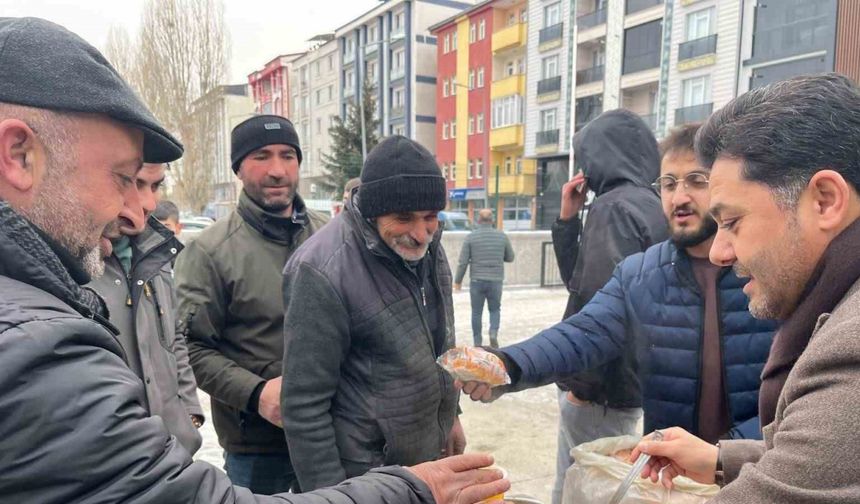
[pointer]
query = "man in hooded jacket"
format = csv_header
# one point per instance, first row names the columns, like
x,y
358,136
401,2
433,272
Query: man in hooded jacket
x,y
618,159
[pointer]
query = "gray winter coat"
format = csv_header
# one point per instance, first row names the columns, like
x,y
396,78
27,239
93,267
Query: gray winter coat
x,y
142,306
361,387
73,423
486,249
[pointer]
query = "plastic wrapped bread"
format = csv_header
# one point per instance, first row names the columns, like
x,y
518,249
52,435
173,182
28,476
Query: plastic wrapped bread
x,y
474,364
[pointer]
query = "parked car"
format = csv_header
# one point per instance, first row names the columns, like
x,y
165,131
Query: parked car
x,y
192,226
455,221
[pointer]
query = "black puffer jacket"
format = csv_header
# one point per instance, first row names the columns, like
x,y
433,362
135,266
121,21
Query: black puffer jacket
x,y
619,156
73,426
361,386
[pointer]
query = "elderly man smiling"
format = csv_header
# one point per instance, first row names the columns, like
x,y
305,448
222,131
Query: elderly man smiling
x,y
369,310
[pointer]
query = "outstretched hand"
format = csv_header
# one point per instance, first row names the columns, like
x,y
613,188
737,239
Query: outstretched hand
x,y
462,479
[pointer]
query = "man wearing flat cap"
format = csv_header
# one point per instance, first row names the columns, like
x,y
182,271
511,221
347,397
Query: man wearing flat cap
x,y
369,310
230,305
73,422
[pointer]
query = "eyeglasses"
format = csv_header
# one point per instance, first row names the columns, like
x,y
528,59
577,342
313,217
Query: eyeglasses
x,y
692,182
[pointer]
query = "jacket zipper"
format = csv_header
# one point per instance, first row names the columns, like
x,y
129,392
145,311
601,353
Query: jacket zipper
x,y
724,382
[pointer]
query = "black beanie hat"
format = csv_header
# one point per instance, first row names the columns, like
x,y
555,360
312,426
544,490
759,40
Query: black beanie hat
x,y
400,175
260,131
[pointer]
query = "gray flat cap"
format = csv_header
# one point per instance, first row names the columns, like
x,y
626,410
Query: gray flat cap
x,y
44,65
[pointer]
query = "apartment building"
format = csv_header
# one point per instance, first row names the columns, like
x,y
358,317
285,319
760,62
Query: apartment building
x,y
704,57
793,37
392,46
480,102
222,109
315,89
270,86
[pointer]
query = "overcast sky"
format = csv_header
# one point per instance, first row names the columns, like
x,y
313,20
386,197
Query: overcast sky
x,y
259,29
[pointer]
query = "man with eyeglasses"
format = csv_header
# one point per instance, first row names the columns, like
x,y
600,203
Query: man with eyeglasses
x,y
699,351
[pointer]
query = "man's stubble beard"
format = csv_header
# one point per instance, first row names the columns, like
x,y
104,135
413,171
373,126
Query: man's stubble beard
x,y
61,214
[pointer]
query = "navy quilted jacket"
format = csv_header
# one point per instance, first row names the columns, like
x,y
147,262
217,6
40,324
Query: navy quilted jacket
x,y
652,306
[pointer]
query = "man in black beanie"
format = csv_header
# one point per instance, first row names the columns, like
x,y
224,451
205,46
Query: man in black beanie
x,y
230,305
369,310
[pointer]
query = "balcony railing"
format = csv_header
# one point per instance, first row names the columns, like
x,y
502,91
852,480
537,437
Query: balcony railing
x,y
348,57
591,19
397,73
639,62
638,5
371,48
550,85
789,39
699,47
396,112
549,137
397,33
588,75
693,113
583,119
550,33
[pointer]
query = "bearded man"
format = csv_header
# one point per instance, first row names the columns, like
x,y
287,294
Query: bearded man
x,y
369,310
698,350
231,310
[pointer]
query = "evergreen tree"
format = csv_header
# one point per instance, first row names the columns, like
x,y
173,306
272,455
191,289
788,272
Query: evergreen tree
x,y
344,161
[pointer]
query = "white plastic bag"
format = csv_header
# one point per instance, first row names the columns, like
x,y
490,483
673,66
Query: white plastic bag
x,y
596,475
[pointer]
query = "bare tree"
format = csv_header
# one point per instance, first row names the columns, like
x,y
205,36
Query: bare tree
x,y
181,54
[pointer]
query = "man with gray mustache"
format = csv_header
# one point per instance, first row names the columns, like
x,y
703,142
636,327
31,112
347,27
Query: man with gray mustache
x,y
369,310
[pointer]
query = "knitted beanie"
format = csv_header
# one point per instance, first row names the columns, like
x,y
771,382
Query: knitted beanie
x,y
258,132
400,175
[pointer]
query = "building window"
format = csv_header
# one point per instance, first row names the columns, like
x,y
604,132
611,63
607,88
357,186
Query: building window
x,y
548,120
482,30
331,92
317,67
471,125
398,21
471,80
696,91
470,170
519,166
350,79
319,126
445,88
552,15
331,61
512,18
700,24
318,96
453,171
398,60
397,99
508,166
507,111
472,33
454,41
509,68
445,130
454,86
480,125
642,47
524,15
447,46
479,168
454,128
371,34
549,67
481,77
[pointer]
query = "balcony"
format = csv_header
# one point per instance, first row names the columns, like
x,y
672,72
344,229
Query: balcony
x,y
396,112
506,137
640,62
348,91
396,73
699,47
523,184
510,37
515,84
546,138
549,89
397,34
639,5
583,119
591,19
589,75
693,113
550,36
371,48
348,57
